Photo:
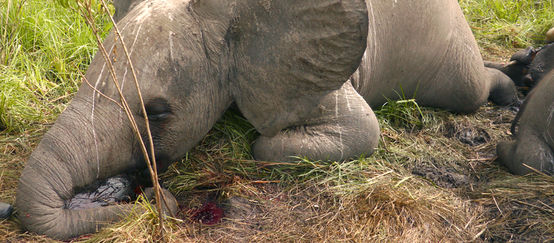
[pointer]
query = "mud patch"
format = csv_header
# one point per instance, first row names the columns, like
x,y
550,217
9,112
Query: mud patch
x,y
472,136
442,177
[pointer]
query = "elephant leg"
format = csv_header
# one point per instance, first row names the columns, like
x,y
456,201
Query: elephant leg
x,y
502,91
529,150
5,210
347,128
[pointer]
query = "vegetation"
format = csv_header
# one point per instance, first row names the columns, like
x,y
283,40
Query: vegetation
x,y
433,177
501,25
43,45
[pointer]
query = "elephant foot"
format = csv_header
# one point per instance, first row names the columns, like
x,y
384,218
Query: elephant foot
x,y
347,128
5,210
503,91
529,150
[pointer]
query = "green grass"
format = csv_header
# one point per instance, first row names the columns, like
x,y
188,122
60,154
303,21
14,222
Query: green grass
x,y
508,23
42,45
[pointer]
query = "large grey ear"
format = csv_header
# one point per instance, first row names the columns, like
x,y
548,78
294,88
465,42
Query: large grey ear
x,y
288,54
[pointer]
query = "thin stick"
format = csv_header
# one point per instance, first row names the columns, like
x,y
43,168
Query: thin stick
x,y
153,172
532,205
496,203
157,188
98,91
535,170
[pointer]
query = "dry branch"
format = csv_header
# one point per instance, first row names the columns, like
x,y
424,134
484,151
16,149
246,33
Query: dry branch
x,y
150,159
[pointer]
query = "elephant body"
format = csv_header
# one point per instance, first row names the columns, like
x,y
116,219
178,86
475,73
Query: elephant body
x,y
542,64
299,71
434,59
533,143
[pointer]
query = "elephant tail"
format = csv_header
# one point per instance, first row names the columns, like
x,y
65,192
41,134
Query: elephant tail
x,y
515,122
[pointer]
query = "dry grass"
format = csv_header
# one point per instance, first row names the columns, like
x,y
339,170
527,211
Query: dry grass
x,y
405,192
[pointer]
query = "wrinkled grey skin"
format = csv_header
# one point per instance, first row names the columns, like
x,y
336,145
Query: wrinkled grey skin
x,y
285,64
534,141
447,72
542,64
528,66
435,59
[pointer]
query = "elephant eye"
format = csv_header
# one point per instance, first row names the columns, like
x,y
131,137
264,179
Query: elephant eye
x,y
157,109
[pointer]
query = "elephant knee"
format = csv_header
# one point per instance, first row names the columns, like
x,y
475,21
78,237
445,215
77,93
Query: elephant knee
x,y
504,150
503,91
525,155
327,142
320,145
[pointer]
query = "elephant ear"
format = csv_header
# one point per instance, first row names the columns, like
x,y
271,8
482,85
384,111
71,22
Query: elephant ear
x,y
288,54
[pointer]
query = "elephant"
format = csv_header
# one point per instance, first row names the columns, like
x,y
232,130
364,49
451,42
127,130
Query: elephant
x,y
5,210
305,74
534,140
528,66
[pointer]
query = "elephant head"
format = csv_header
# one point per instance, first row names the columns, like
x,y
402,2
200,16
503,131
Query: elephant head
x,y
283,62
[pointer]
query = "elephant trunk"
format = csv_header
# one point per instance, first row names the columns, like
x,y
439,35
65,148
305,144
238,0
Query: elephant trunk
x,y
65,161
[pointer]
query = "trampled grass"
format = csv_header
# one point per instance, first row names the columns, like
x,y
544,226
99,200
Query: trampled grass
x,y
433,177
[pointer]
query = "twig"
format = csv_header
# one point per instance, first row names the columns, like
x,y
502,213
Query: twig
x,y
532,205
546,205
264,182
479,234
150,164
496,203
535,170
159,196
98,91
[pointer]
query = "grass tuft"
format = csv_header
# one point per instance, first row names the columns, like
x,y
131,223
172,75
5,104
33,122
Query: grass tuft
x,y
402,113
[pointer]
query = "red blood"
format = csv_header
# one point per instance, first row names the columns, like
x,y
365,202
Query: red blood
x,y
208,214
138,190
